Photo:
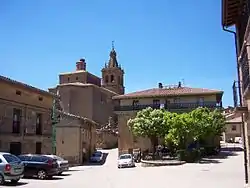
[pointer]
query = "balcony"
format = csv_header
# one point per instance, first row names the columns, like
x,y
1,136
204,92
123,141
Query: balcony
x,y
236,96
170,107
239,107
244,66
135,107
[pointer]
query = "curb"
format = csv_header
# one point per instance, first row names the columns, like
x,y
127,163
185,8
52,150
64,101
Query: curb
x,y
161,163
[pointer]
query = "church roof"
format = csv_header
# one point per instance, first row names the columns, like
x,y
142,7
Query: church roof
x,y
79,84
112,60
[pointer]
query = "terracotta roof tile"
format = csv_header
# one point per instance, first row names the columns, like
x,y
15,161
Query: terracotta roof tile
x,y
168,92
11,81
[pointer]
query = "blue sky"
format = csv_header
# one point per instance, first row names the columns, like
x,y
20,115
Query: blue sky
x,y
156,41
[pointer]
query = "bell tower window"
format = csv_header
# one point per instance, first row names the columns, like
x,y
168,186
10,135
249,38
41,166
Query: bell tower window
x,y
112,78
106,79
119,80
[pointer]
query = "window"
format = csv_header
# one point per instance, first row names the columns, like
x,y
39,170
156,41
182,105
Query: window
x,y
106,79
40,98
38,124
68,79
16,124
201,101
156,102
112,79
11,158
125,156
76,78
38,147
234,128
58,158
135,102
39,159
24,157
18,92
177,100
119,80
15,148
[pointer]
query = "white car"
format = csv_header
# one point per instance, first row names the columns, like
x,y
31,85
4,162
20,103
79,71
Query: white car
x,y
97,157
126,160
62,164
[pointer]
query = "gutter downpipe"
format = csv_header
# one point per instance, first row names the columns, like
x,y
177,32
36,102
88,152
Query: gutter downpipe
x,y
240,96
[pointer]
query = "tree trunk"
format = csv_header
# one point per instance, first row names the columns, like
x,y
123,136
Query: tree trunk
x,y
154,142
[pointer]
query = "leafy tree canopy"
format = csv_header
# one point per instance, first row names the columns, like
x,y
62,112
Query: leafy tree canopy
x,y
179,129
148,123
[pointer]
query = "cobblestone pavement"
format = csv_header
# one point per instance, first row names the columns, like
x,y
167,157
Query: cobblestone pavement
x,y
220,173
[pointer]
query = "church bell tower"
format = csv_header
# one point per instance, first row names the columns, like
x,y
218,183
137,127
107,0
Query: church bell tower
x,y
112,74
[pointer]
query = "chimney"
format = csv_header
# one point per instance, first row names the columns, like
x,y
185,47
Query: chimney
x,y
81,65
179,84
160,85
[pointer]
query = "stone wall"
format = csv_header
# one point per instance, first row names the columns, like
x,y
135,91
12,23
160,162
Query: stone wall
x,y
106,140
74,138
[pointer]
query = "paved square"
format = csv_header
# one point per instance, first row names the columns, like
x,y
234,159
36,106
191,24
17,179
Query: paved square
x,y
216,173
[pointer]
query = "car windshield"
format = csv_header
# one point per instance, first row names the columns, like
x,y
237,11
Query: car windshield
x,y
97,154
125,157
58,158
11,158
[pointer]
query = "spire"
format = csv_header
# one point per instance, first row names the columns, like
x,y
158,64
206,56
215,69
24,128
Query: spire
x,y
112,60
113,46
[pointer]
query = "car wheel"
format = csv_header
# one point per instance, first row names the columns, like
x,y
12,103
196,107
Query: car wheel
x,y
15,181
41,174
1,180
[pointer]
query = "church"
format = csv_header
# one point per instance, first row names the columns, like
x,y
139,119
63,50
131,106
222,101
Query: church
x,y
87,95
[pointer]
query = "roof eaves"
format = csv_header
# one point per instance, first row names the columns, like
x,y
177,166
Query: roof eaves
x,y
87,85
164,95
229,12
77,117
26,86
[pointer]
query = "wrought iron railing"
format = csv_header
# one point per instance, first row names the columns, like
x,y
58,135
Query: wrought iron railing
x,y
236,97
170,106
244,66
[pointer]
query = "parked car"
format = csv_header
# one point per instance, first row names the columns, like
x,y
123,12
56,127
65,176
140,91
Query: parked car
x,y
63,165
126,160
238,140
97,157
39,166
11,168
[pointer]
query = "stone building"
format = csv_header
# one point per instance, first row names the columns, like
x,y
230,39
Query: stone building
x,y
25,123
235,21
173,98
78,132
233,125
233,129
89,96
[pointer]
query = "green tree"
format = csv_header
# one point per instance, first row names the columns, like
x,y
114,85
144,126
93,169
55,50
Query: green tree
x,y
218,122
202,123
181,130
209,124
149,123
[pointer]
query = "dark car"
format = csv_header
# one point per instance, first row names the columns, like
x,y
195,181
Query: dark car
x,y
39,166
